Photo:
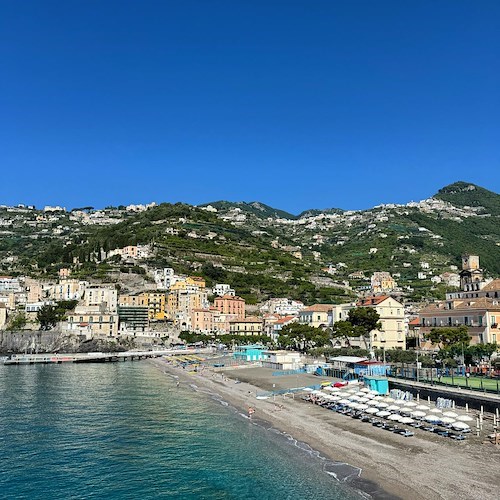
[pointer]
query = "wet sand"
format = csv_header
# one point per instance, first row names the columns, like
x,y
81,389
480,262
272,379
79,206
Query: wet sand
x,y
425,466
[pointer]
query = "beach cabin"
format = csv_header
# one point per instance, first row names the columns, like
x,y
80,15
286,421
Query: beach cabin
x,y
283,360
374,383
371,368
253,352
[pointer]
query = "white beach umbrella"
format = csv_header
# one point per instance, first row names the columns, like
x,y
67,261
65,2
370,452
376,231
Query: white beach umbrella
x,y
460,425
465,418
406,420
353,405
450,414
407,409
432,418
378,397
422,407
372,403
447,420
383,413
362,406
393,408
365,389
354,398
336,398
307,389
382,405
334,389
375,393
316,392
394,417
369,396
328,388
400,402
410,403
436,410
372,410
344,401
418,414
360,393
388,399
364,400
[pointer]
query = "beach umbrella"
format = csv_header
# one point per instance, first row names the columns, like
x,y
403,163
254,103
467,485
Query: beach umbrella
x,y
460,425
344,401
418,414
422,407
388,399
364,400
399,402
410,403
407,409
307,389
465,418
447,420
450,414
394,417
382,405
365,389
372,403
436,410
372,410
353,405
393,408
378,397
360,393
432,418
369,396
354,398
406,420
361,406
383,413
375,393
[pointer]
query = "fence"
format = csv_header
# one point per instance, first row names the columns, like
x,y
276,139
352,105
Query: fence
x,y
450,377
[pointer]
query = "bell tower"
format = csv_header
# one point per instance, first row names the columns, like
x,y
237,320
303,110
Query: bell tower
x,y
471,276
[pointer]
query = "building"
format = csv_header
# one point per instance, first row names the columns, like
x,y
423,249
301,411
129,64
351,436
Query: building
x,y
246,326
282,360
3,316
66,289
253,352
183,298
229,304
282,306
280,323
382,282
392,334
202,320
95,295
475,306
481,316
92,321
133,319
317,315
221,289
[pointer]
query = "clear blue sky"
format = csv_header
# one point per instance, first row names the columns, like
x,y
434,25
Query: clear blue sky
x,y
298,104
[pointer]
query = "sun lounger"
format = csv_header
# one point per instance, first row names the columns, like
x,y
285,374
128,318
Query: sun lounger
x,y
457,437
405,432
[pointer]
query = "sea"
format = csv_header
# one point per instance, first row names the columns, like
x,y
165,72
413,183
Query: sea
x,y
126,431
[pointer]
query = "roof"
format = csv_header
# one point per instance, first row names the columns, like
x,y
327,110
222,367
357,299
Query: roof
x,y
286,319
247,320
414,322
492,286
348,359
229,297
318,308
465,304
372,301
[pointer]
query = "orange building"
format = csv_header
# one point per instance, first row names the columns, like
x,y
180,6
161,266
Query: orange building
x,y
229,304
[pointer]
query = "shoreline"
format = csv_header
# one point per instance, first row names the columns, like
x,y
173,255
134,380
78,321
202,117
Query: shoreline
x,y
392,466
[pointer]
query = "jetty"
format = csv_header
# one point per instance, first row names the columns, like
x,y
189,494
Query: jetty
x,y
95,357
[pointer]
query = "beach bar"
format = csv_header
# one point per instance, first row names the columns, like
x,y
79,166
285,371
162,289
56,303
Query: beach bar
x,y
374,383
252,352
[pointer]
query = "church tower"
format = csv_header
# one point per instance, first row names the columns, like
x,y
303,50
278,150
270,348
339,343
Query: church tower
x,y
471,276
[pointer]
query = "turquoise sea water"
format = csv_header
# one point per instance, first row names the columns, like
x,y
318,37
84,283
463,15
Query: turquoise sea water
x,y
124,430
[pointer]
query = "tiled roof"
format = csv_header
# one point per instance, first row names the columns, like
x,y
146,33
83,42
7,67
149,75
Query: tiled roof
x,y
369,301
318,308
492,286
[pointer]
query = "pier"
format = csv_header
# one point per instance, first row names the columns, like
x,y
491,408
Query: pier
x,y
95,357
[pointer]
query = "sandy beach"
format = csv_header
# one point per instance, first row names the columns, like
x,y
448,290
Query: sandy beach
x,y
424,466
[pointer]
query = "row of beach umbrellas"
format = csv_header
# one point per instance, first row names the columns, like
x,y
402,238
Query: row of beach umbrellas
x,y
372,403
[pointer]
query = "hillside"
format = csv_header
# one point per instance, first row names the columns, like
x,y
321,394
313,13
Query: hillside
x,y
323,256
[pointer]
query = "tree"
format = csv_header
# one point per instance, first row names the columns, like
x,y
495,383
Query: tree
x,y
18,322
343,329
302,337
364,320
48,316
449,336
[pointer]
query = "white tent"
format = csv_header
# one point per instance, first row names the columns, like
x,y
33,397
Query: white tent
x,y
461,426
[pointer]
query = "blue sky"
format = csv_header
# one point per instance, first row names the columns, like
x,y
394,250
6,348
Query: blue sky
x,y
298,104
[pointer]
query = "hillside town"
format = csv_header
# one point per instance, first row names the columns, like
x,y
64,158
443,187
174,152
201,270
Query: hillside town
x,y
173,303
